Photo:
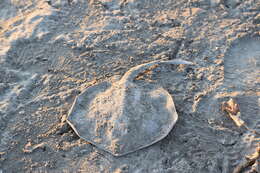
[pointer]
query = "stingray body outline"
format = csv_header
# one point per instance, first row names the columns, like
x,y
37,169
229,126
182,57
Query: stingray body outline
x,y
123,117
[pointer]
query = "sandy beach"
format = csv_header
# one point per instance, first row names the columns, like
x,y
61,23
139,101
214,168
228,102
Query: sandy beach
x,y
51,51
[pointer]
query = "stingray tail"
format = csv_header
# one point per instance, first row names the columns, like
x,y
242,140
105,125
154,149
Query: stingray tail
x,y
133,72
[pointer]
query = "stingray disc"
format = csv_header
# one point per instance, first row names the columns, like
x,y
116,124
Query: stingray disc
x,y
122,120
123,117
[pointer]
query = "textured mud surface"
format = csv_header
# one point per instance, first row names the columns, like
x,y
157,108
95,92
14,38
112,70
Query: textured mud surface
x,y
51,51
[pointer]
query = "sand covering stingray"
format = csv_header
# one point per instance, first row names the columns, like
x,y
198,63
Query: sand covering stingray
x,y
122,117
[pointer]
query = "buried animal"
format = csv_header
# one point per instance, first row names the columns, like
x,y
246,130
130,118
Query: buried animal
x,y
123,117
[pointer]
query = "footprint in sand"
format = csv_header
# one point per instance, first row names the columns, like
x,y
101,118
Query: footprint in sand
x,y
242,77
242,82
15,88
242,65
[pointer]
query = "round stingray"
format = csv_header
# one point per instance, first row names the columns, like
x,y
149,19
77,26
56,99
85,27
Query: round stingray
x,y
123,117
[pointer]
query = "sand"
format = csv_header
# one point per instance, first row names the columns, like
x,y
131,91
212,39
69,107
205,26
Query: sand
x,y
51,51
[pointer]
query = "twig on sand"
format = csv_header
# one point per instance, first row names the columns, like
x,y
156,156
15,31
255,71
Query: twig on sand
x,y
233,112
232,109
250,160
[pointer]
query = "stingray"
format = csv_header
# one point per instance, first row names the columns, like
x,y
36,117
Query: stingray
x,y
122,117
